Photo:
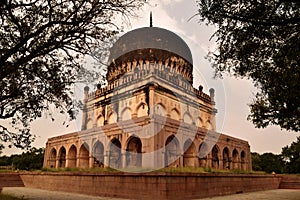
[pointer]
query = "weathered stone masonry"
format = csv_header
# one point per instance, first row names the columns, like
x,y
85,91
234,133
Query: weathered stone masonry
x,y
149,115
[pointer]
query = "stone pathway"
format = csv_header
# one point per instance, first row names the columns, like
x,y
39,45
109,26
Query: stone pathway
x,y
280,194
37,194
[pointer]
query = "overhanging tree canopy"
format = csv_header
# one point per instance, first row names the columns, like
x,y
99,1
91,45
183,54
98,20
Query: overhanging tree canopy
x,y
260,40
41,43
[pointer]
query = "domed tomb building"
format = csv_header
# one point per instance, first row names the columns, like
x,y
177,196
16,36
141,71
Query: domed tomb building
x,y
149,115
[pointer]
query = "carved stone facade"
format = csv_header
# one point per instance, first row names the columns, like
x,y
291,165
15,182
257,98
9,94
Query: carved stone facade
x,y
149,115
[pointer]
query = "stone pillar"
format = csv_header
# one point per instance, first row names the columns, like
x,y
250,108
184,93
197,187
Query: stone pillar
x,y
85,109
91,161
148,158
67,160
106,159
78,160
151,102
209,161
57,162
123,159
47,156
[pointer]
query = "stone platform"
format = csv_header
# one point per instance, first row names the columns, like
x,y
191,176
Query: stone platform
x,y
156,185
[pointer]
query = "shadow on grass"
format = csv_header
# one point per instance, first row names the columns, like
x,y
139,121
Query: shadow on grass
x,y
9,197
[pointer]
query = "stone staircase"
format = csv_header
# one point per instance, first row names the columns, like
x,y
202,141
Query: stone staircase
x,y
290,182
10,180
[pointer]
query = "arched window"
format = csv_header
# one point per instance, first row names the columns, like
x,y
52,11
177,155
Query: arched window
x,y
159,109
126,114
100,121
111,118
208,125
199,122
175,114
89,124
187,118
142,110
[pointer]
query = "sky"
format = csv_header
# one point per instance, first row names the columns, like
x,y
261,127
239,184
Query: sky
x,y
232,95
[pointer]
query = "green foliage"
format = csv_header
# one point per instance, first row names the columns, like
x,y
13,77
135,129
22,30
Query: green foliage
x,y
286,162
5,160
42,46
29,160
291,156
260,40
267,162
271,163
256,162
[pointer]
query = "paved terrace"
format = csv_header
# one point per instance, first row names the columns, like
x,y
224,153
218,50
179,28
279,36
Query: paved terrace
x,y
37,194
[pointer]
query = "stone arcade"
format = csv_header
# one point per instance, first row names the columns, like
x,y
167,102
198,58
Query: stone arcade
x,y
149,115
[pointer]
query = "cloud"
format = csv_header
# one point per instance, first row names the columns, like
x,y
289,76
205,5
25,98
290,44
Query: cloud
x,y
167,2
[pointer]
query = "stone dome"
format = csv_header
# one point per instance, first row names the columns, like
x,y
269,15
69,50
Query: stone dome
x,y
149,43
151,38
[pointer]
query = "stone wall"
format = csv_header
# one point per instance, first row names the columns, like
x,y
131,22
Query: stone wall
x,y
290,181
10,180
151,185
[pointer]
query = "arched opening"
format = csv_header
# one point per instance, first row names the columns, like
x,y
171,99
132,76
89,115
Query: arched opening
x,y
111,118
171,152
188,156
115,157
62,158
175,114
203,153
199,122
215,157
226,161
235,159
187,118
126,114
89,124
98,153
84,156
159,109
208,125
100,121
52,158
142,110
134,152
243,160
72,157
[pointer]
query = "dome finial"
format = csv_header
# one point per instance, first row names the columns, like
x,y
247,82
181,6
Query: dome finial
x,y
151,25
